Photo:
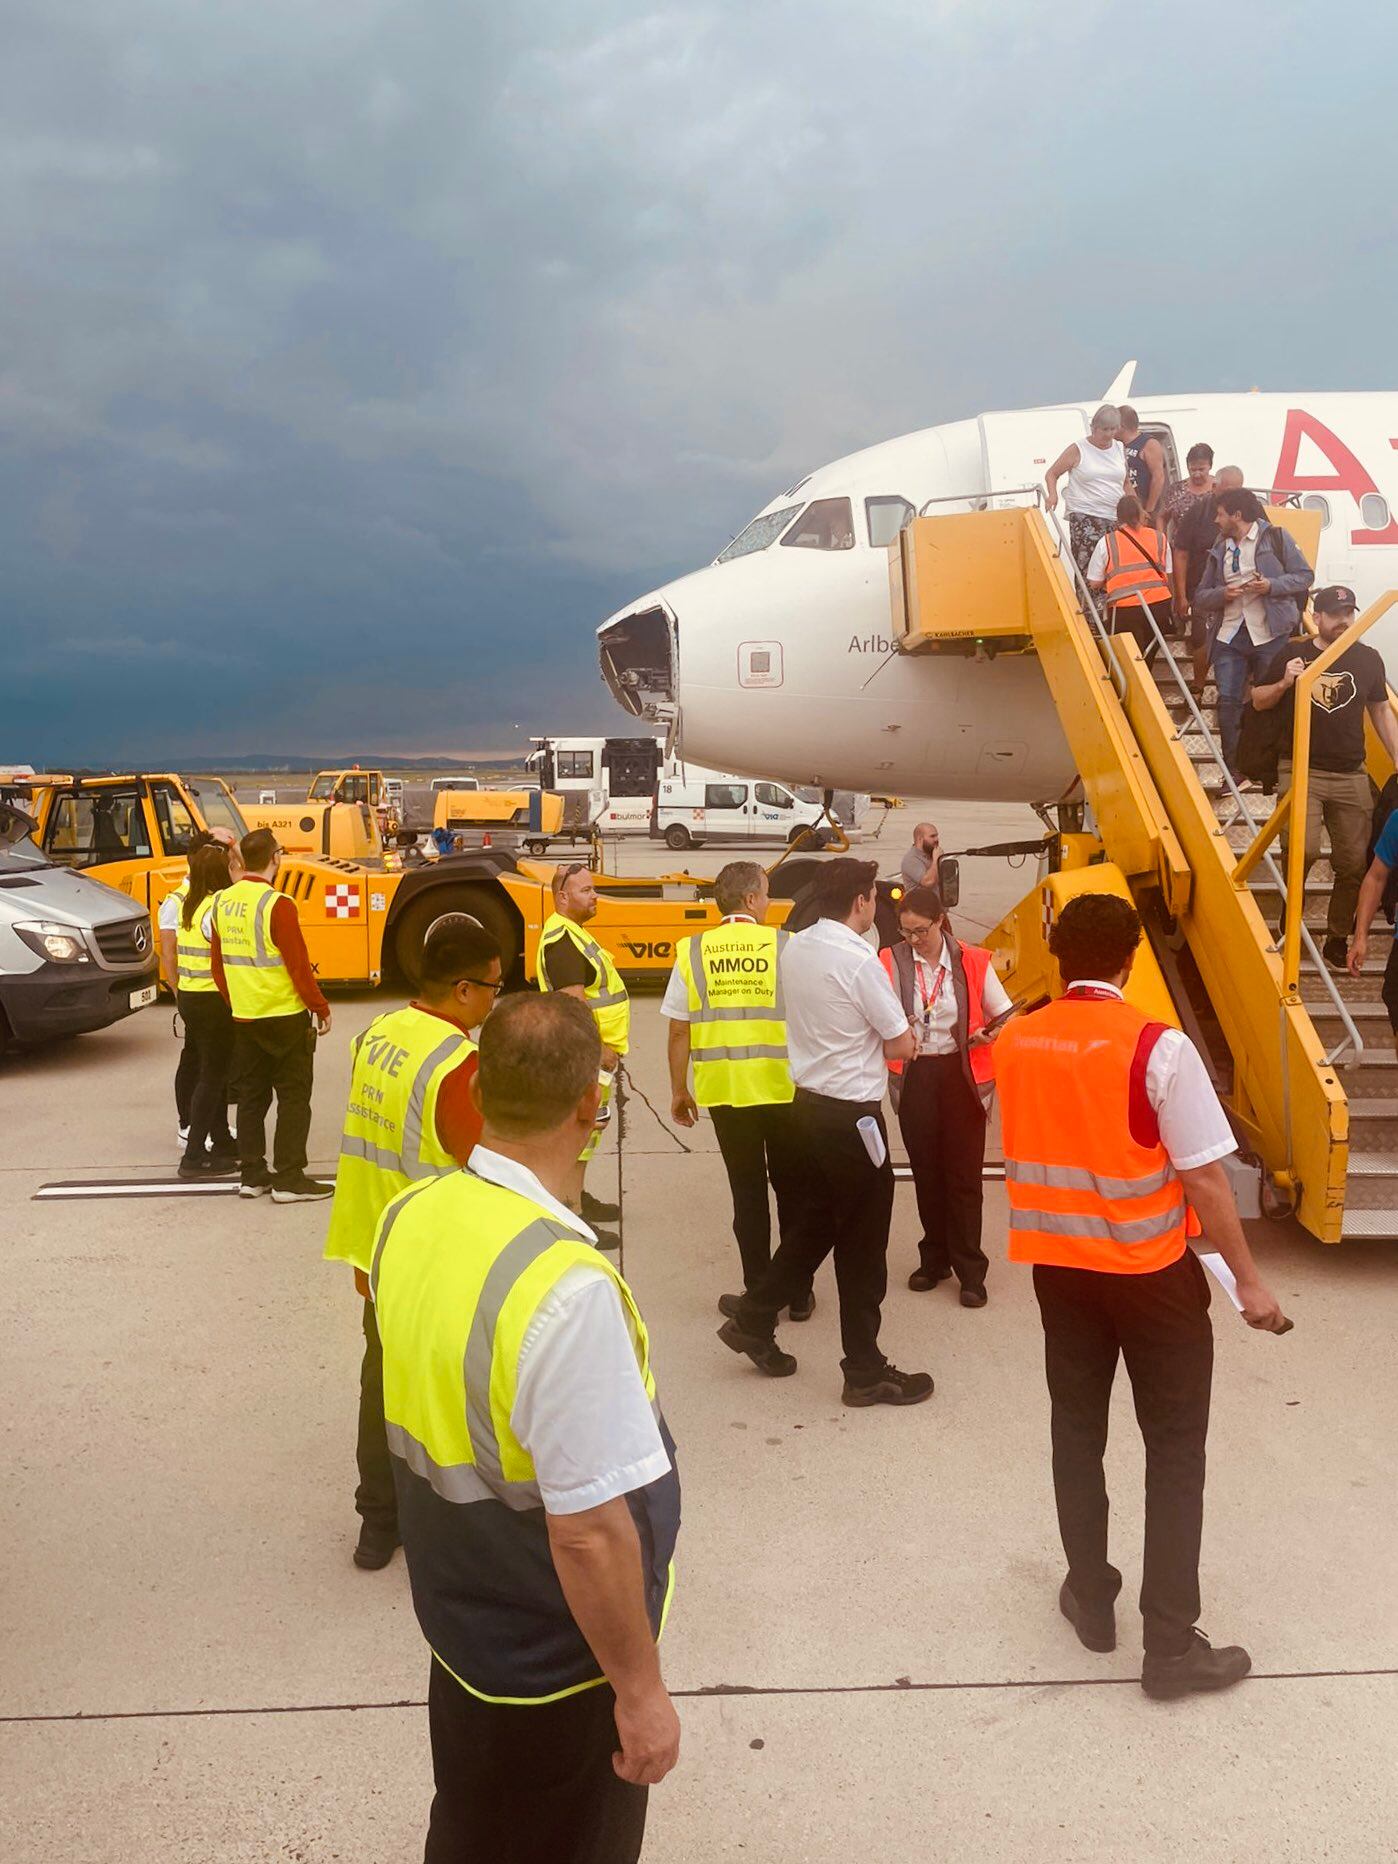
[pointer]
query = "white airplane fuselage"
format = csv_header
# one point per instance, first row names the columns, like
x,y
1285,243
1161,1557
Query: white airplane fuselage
x,y
780,661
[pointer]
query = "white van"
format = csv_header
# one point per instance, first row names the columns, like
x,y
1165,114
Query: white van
x,y
705,805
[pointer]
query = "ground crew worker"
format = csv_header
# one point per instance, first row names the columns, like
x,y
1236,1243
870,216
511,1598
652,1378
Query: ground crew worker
x,y
1110,1124
570,960
951,997
208,1023
411,1115
167,922
537,1490
724,1004
1130,569
261,965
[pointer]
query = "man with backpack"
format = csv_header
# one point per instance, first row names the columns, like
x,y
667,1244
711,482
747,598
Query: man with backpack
x,y
1255,581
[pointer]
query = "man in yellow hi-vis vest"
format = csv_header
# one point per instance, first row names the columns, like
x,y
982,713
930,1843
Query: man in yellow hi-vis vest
x,y
537,1492
724,1005
261,965
412,1115
571,960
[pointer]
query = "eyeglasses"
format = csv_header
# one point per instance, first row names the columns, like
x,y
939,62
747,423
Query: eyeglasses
x,y
913,933
481,984
1235,567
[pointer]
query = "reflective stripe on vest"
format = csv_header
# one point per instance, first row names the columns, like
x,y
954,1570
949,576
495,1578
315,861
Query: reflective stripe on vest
x,y
1090,1183
259,983
732,974
194,949
899,962
460,1271
606,996
390,1136
1130,573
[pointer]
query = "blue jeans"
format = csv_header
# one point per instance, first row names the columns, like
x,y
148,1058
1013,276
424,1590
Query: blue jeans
x,y
1233,662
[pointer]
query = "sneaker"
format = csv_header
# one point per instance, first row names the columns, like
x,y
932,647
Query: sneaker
x,y
255,1187
803,1306
182,1134
302,1190
594,1211
1201,1667
1096,1629
766,1355
891,1387
377,1546
1335,952
200,1166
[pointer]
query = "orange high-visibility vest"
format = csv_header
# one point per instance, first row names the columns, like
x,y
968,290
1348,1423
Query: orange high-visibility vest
x,y
1130,573
1090,1184
899,962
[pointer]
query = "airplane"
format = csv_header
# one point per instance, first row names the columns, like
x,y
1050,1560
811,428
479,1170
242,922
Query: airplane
x,y
779,654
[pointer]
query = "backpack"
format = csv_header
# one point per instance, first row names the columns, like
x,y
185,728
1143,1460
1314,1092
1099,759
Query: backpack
x,y
1260,745
1279,539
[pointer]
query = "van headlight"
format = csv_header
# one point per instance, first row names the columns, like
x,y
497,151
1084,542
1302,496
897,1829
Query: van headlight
x,y
58,943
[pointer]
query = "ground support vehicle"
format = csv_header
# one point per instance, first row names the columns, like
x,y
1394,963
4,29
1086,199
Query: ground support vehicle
x,y
74,955
343,813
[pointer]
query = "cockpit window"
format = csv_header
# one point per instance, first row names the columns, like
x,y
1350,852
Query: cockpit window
x,y
887,517
824,525
757,535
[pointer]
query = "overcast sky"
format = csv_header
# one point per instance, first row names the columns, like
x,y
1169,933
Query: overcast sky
x,y
357,357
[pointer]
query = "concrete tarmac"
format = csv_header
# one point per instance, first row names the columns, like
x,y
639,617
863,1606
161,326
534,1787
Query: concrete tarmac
x,y
864,1639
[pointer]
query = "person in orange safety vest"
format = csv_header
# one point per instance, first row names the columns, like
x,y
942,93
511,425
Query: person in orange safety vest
x,y
1130,571
951,997
1113,1138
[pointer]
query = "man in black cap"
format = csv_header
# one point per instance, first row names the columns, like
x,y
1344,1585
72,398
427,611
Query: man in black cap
x,y
1338,792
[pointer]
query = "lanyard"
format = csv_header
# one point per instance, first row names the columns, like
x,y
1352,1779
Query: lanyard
x,y
929,998
1085,993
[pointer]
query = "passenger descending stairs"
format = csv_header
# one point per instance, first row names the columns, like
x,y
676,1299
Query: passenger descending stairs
x,y
1370,1081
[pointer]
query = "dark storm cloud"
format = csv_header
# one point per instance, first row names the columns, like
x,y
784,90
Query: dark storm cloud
x,y
358,358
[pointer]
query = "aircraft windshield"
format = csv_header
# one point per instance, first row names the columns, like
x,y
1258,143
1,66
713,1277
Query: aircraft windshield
x,y
757,535
824,525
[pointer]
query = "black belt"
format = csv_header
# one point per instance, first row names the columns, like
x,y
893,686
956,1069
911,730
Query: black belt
x,y
833,1100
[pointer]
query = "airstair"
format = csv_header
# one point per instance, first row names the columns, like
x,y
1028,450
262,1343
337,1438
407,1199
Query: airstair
x,y
1302,1057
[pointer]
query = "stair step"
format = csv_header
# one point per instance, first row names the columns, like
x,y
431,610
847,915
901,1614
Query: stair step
x,y
1378,1225
1374,1165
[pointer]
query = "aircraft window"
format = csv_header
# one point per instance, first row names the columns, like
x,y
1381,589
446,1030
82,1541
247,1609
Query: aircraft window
x,y
1314,502
825,525
725,795
886,518
1373,510
771,797
757,535
574,763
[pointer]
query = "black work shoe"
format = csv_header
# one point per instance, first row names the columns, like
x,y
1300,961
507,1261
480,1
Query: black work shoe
x,y
377,1546
1200,1668
221,1163
302,1190
608,1241
766,1355
593,1211
974,1297
200,1166
921,1280
803,1306
1335,952
1097,1629
891,1387
728,1305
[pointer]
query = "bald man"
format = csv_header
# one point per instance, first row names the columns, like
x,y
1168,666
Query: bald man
x,y
920,864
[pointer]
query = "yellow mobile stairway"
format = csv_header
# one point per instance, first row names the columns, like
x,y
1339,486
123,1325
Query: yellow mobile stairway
x,y
1302,1057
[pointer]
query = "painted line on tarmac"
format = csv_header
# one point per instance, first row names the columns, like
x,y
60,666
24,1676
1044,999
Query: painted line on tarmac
x,y
706,1692
137,1187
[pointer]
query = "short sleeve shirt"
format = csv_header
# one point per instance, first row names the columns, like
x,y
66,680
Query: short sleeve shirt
x,y
1386,847
1338,698
564,966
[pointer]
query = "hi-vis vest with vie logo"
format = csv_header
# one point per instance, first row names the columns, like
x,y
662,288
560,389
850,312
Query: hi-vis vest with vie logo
x,y
1090,1184
1131,575
259,983
193,948
390,1138
606,995
737,1028
460,1269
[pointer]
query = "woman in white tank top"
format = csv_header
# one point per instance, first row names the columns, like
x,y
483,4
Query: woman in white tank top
x,y
1096,469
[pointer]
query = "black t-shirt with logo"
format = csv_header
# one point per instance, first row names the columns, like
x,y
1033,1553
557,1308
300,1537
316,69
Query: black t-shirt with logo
x,y
1338,699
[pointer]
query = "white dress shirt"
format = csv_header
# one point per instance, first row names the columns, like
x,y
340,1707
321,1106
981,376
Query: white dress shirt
x,y
1194,1129
580,1408
1237,609
840,1010
934,1003
1097,564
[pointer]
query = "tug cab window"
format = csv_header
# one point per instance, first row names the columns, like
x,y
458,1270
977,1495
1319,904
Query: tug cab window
x,y
886,517
575,764
177,827
96,826
825,525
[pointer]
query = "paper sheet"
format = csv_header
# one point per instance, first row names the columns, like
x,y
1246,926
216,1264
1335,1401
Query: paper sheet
x,y
1221,1273
873,1139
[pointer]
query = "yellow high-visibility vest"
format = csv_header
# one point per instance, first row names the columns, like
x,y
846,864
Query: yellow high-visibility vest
x,y
460,1270
259,983
737,1029
390,1137
606,995
193,946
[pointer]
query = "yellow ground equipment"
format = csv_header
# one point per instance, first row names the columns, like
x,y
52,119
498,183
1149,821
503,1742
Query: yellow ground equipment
x,y
1285,1039
339,816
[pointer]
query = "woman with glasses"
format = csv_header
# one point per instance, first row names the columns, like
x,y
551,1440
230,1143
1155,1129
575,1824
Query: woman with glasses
x,y
955,1004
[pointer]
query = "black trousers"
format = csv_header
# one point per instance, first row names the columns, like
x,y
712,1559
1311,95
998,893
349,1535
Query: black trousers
x,y
208,1037
374,1499
943,1125
1159,1323
1129,618
759,1144
845,1209
186,1072
531,1785
274,1055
